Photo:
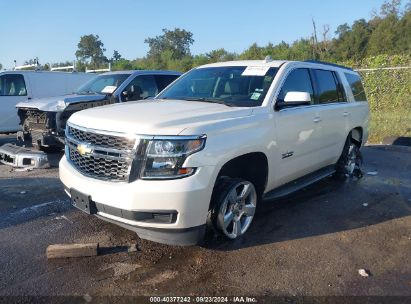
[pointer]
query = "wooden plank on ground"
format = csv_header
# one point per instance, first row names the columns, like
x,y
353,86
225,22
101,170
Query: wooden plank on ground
x,y
71,250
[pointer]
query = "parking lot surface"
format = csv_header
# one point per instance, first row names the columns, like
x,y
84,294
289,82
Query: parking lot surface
x,y
311,243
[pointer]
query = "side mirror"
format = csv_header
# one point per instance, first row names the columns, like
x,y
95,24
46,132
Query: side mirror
x,y
292,99
297,97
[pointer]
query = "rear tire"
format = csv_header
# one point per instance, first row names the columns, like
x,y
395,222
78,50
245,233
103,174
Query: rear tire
x,y
349,163
234,204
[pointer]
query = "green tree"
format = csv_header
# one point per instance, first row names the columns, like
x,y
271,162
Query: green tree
x,y
175,42
200,60
91,50
301,50
122,64
279,51
116,56
220,55
253,52
404,33
352,43
383,39
61,64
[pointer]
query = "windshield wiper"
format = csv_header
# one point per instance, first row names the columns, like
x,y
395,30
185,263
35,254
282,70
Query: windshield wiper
x,y
210,100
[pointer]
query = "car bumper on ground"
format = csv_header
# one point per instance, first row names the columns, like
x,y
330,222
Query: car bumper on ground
x,y
166,211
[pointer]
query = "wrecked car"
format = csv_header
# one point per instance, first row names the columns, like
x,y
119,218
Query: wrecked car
x,y
44,120
20,86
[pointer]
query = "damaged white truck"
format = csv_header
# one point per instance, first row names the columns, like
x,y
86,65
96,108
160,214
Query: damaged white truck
x,y
20,86
213,145
44,120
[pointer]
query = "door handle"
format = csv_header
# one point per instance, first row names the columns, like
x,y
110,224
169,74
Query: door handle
x,y
346,113
317,119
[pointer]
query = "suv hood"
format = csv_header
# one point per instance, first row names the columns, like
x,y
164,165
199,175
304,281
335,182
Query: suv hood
x,y
53,104
159,117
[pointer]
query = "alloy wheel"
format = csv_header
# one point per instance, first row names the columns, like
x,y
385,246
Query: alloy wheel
x,y
237,210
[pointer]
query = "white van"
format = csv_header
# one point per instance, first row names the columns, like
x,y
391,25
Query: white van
x,y
18,86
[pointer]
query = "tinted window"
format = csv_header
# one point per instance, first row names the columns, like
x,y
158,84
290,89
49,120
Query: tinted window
x,y
164,80
12,85
356,87
327,87
298,80
140,88
234,86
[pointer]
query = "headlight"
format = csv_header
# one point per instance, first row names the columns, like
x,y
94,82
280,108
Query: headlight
x,y
165,156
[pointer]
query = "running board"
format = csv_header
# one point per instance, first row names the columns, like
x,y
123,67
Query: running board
x,y
299,183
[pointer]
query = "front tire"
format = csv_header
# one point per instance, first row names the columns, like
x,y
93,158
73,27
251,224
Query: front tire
x,y
234,207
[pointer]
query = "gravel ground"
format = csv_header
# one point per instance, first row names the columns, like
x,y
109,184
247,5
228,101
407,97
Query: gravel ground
x,y
311,244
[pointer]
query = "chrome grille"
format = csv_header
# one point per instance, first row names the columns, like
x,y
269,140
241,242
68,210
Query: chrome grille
x,y
99,167
102,140
106,156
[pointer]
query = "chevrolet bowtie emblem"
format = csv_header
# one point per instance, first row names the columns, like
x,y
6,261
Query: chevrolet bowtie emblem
x,y
84,149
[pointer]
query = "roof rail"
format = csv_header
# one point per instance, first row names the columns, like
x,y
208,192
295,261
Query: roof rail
x,y
63,68
100,70
330,64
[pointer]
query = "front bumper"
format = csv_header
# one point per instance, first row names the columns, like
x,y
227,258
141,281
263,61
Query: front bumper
x,y
188,197
21,157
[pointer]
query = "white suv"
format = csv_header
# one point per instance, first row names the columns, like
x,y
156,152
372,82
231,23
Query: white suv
x,y
219,140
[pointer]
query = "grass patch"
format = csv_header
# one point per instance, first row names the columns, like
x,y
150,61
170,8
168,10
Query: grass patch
x,y
386,123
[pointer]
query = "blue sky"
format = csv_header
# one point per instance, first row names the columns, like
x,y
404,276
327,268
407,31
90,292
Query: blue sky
x,y
51,29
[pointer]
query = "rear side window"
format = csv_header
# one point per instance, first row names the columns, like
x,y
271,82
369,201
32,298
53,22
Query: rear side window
x,y
164,80
298,80
327,87
12,85
356,87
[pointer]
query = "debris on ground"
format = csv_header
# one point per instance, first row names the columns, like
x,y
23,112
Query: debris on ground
x,y
22,157
71,250
364,273
365,204
132,248
121,269
372,173
23,192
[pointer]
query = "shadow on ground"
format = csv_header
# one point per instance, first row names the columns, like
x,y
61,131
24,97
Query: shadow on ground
x,y
397,141
331,206
25,199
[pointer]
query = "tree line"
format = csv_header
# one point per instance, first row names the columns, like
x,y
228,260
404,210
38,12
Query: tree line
x,y
386,32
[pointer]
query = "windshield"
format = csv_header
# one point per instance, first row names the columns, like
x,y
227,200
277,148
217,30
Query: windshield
x,y
238,86
103,84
